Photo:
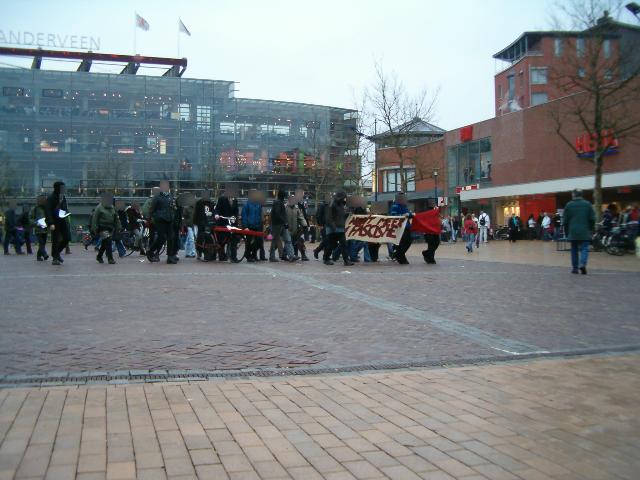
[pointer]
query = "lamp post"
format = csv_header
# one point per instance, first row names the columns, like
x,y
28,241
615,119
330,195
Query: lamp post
x,y
435,178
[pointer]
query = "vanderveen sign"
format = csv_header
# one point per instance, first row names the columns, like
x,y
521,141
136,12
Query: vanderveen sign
x,y
56,40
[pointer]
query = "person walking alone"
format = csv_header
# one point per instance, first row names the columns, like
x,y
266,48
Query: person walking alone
x,y
484,222
579,221
104,223
57,211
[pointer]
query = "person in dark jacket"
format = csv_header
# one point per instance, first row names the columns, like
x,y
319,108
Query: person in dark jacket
x,y
278,225
514,228
321,216
57,211
38,220
11,230
252,220
105,221
134,226
162,211
432,241
224,208
335,227
203,219
24,225
400,209
579,221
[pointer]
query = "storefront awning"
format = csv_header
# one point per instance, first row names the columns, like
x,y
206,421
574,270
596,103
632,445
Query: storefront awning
x,y
618,179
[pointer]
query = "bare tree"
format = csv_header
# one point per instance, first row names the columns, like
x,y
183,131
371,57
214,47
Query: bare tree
x,y
399,111
599,79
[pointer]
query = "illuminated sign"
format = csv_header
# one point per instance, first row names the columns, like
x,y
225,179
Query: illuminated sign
x,y
466,188
42,39
586,144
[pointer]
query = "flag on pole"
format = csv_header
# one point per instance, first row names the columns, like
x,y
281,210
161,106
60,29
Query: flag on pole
x,y
182,28
142,23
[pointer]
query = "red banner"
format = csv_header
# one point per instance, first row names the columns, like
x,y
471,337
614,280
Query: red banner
x,y
427,222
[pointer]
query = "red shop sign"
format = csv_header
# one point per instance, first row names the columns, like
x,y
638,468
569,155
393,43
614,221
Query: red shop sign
x,y
586,144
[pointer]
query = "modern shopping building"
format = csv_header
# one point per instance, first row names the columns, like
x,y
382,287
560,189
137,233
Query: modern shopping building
x,y
125,132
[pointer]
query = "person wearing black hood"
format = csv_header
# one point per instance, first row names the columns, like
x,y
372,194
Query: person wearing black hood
x,y
162,211
278,226
57,211
203,219
224,209
335,228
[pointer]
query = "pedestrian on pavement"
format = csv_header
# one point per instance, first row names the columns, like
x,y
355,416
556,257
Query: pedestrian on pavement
x,y
546,227
203,220
531,227
400,209
321,216
484,222
105,223
162,210
335,228
470,230
223,211
297,225
433,242
11,230
579,222
38,220
514,228
57,211
24,227
252,220
134,225
278,226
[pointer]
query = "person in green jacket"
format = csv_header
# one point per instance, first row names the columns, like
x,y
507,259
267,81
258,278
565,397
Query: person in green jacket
x,y
579,221
38,220
104,223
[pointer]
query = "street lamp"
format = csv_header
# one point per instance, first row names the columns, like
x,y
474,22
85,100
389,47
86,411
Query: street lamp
x,y
435,178
634,8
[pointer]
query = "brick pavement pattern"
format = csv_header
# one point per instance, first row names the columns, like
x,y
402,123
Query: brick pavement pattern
x,y
545,419
220,316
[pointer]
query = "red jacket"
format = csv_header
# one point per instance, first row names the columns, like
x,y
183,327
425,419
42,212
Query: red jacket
x,y
470,226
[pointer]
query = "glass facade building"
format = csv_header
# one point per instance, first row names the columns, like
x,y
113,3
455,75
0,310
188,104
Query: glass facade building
x,y
124,133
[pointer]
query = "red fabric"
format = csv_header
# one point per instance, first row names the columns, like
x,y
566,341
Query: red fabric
x,y
427,222
470,226
241,231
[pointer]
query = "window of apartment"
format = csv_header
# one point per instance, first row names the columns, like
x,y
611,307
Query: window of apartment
x,y
185,114
500,91
606,47
539,76
580,47
581,72
539,98
511,80
392,180
52,92
558,47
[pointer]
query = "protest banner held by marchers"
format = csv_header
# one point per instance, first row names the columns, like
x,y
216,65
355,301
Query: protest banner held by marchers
x,y
375,228
427,222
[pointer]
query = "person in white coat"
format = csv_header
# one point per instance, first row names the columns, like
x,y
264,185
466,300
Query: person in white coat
x,y
484,224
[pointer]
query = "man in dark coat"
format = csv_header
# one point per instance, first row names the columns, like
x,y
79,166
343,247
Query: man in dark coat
x,y
11,230
203,218
278,225
579,220
162,211
57,212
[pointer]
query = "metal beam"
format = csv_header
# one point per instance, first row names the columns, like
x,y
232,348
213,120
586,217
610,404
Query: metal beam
x,y
130,69
37,61
85,66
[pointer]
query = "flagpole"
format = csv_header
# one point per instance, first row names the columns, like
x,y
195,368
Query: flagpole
x,y
178,41
135,31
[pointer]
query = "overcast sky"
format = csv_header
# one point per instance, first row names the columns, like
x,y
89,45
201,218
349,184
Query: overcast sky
x,y
310,51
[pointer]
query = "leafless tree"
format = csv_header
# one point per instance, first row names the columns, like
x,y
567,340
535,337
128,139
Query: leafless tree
x,y
398,111
599,79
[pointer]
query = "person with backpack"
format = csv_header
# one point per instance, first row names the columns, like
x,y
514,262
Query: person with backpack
x,y
104,223
484,222
38,219
252,220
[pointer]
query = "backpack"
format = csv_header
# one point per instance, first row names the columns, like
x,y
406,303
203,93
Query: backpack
x,y
482,221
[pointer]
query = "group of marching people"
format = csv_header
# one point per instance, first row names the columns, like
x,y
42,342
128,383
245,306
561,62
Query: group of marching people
x,y
287,225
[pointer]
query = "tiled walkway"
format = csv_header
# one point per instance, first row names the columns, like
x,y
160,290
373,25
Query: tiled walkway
x,y
561,419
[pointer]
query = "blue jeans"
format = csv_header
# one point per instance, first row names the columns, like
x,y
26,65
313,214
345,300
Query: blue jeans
x,y
471,239
581,246
354,250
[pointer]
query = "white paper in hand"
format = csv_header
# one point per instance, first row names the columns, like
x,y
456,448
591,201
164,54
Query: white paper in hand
x,y
63,213
41,223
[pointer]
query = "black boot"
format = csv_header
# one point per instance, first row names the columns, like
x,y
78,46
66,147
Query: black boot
x,y
99,259
111,261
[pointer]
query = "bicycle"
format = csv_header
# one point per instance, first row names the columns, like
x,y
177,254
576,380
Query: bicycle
x,y
226,242
620,241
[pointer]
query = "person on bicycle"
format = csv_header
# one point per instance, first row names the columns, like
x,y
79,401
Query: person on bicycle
x,y
104,223
252,220
203,219
162,211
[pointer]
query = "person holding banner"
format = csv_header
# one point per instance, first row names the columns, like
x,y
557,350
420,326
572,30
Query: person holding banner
x,y
430,224
335,229
400,209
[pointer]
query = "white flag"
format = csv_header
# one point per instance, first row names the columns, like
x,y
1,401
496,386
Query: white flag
x,y
142,23
182,28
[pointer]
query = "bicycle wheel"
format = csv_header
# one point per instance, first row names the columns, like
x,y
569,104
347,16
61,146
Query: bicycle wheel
x,y
614,249
241,248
